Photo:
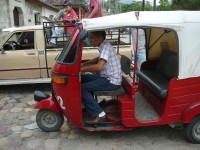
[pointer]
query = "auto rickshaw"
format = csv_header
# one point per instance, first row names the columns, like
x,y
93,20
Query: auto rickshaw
x,y
168,91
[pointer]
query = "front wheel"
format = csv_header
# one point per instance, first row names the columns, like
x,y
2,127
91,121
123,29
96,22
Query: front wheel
x,y
49,121
193,130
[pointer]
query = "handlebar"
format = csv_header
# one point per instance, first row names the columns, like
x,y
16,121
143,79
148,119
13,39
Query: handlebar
x,y
71,21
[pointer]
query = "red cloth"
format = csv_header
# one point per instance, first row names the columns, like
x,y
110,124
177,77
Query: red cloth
x,y
70,16
91,7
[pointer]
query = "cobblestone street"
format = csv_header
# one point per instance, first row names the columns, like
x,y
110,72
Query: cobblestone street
x,y
19,131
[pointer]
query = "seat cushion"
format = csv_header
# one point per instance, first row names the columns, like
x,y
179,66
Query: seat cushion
x,y
117,92
125,64
168,64
156,81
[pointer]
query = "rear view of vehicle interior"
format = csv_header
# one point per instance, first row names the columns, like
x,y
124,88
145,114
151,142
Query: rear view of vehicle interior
x,y
145,101
156,73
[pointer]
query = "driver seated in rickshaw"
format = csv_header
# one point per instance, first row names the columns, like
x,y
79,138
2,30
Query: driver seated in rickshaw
x,y
108,63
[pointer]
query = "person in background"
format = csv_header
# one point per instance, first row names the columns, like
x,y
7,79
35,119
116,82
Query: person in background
x,y
70,15
95,9
51,20
108,63
59,18
141,56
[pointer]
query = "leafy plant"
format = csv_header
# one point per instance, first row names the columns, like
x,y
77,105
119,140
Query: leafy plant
x,y
185,5
136,6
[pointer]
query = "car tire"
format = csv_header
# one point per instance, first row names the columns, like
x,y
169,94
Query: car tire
x,y
192,130
49,121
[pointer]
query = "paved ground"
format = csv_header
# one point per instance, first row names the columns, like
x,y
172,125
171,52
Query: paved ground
x,y
18,130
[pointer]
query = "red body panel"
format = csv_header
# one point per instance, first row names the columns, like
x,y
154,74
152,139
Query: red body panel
x,y
181,105
191,112
70,92
127,105
49,104
182,95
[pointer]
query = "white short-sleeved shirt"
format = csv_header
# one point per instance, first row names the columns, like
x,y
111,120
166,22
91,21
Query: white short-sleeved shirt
x,y
141,40
112,67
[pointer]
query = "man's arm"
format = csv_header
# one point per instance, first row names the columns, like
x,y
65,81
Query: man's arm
x,y
59,17
94,11
92,61
94,68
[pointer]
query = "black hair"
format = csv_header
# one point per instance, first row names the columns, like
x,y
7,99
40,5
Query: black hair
x,y
100,33
68,3
65,2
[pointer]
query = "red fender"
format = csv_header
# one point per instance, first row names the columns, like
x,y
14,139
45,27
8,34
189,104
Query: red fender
x,y
191,112
49,104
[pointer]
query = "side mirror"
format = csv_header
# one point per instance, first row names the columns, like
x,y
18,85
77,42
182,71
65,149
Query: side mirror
x,y
7,46
83,35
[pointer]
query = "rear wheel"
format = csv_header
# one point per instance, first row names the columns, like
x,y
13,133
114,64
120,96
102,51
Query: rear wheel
x,y
193,130
49,121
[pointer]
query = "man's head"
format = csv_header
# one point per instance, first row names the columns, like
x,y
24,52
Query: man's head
x,y
51,17
68,6
97,38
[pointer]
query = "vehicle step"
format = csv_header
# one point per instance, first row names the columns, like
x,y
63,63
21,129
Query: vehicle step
x,y
143,110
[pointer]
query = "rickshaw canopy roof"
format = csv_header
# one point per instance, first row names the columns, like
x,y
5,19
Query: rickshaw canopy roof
x,y
185,23
165,19
23,28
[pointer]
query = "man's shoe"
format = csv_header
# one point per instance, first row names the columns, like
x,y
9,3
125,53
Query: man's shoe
x,y
96,120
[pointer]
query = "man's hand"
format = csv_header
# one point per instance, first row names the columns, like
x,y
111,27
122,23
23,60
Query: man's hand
x,y
94,68
83,64
91,61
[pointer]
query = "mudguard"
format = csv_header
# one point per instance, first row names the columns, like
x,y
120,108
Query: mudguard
x,y
49,104
191,112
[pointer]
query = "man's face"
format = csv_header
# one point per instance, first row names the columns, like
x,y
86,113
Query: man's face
x,y
68,8
95,40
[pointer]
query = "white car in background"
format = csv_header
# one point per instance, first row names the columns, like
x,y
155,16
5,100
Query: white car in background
x,y
25,57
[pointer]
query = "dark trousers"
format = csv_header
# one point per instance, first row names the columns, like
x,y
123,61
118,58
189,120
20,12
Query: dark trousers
x,y
91,83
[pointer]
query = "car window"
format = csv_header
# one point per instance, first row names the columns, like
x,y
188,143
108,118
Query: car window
x,y
27,38
20,41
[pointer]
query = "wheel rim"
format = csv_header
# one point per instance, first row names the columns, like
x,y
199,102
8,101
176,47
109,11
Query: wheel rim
x,y
49,120
196,130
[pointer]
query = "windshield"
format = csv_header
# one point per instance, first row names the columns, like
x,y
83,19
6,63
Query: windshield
x,y
68,55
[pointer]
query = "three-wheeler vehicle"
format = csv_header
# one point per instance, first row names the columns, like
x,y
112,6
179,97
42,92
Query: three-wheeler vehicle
x,y
168,91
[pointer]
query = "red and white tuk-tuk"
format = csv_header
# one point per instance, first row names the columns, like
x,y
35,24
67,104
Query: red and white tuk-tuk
x,y
168,91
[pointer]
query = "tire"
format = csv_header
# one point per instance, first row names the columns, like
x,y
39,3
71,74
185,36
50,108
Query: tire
x,y
49,121
193,130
